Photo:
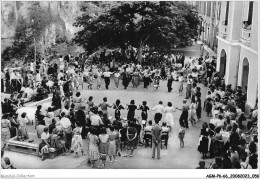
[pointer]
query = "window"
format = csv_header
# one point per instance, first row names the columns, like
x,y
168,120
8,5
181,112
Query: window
x,y
204,8
226,17
250,12
218,10
208,8
248,15
213,10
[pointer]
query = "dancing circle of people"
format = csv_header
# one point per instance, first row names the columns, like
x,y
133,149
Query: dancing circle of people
x,y
68,121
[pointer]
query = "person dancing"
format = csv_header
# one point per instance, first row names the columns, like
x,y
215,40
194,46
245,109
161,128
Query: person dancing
x,y
136,79
169,81
147,78
99,79
169,117
116,79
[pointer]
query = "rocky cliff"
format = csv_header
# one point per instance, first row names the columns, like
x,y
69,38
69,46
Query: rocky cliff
x,y
63,13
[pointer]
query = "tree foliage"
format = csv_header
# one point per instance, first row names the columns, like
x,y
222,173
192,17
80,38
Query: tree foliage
x,y
26,31
160,25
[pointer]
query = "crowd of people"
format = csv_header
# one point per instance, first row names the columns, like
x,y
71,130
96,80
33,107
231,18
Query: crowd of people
x,y
72,118
229,136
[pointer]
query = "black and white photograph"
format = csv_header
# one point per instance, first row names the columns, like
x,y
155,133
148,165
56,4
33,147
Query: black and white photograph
x,y
130,85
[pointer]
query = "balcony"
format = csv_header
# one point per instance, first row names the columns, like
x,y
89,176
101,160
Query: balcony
x,y
246,35
223,35
223,30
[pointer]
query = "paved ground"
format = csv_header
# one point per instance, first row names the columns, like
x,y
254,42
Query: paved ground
x,y
171,158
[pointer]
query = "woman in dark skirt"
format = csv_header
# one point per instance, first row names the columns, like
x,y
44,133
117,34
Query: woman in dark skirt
x,y
131,110
144,113
125,79
184,115
14,125
169,81
204,140
7,82
56,99
198,109
146,78
131,133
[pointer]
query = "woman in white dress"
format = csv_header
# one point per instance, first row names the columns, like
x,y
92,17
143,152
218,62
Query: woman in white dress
x,y
99,78
169,116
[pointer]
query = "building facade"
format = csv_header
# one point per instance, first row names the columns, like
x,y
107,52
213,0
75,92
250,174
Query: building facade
x,y
237,53
209,11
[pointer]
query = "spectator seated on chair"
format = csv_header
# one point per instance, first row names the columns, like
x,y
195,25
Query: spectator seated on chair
x,y
39,128
49,116
41,93
149,127
164,127
221,121
164,138
117,122
56,140
66,110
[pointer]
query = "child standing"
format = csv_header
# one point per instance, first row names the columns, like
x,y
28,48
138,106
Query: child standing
x,y
112,144
76,143
181,83
181,136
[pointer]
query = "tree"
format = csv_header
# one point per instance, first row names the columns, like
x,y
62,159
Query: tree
x,y
22,48
160,25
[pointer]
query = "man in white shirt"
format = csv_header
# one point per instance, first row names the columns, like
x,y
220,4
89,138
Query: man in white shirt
x,y
95,119
66,127
107,77
159,108
64,122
